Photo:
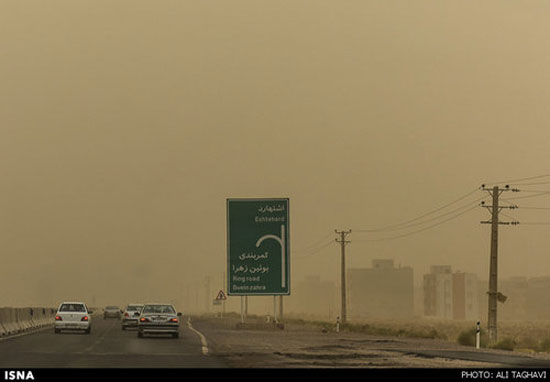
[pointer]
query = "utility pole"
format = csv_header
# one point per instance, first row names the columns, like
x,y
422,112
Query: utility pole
x,y
208,299
343,243
494,295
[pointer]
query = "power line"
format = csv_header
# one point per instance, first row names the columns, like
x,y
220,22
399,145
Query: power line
x,y
315,248
318,246
529,184
508,216
542,193
521,179
313,251
429,220
420,230
314,244
395,226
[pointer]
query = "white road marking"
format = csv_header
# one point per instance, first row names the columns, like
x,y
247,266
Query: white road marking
x,y
203,338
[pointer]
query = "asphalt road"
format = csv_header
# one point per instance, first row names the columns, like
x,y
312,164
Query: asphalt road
x,y
214,343
106,347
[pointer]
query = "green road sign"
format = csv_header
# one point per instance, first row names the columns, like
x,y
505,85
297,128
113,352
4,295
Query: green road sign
x,y
258,247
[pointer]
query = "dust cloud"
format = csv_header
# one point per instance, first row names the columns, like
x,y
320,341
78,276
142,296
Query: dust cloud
x,y
125,125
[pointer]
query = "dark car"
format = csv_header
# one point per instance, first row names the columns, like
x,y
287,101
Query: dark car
x,y
112,312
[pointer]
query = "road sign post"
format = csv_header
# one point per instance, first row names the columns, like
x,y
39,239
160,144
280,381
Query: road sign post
x,y
478,331
242,309
258,247
220,299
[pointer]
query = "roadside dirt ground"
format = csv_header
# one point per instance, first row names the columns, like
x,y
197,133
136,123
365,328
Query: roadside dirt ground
x,y
301,346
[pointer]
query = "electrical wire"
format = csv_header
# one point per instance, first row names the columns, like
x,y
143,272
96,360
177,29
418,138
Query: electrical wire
x,y
395,226
314,244
528,196
522,179
508,216
529,184
425,221
316,247
317,250
420,230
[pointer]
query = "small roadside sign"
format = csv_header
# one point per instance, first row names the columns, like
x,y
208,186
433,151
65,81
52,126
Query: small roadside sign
x,y
221,296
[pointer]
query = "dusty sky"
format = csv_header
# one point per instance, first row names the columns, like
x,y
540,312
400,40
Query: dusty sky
x,y
124,126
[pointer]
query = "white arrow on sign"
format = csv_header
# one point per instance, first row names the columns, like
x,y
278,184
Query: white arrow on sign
x,y
281,241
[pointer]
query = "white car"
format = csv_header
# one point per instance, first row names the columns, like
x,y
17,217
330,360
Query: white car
x,y
159,319
130,316
73,316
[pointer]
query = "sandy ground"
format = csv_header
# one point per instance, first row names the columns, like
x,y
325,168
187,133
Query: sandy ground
x,y
301,346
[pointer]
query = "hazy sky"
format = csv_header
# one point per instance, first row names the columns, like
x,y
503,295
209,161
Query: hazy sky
x,y
125,125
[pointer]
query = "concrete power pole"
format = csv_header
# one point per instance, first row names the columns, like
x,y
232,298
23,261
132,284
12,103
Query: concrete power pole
x,y
494,295
343,243
208,299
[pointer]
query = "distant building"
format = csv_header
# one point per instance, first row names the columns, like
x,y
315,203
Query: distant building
x,y
382,291
450,295
438,292
465,297
418,300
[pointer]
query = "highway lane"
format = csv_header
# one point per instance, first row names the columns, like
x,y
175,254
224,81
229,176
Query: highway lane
x,y
106,347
